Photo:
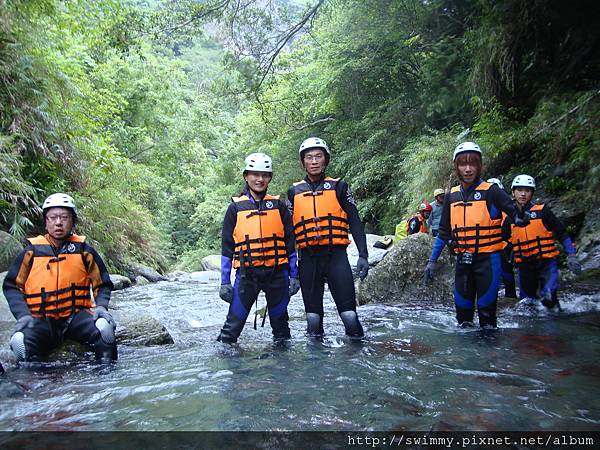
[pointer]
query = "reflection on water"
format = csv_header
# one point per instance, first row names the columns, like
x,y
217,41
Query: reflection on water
x,y
415,371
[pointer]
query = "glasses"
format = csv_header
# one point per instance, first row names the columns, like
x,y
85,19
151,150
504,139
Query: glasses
x,y
313,157
55,218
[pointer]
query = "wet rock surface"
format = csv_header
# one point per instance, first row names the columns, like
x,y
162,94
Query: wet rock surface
x,y
399,275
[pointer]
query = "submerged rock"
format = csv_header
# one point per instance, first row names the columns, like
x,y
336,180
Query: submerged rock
x,y
399,276
140,330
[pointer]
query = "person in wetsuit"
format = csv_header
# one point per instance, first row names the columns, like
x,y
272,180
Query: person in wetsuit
x,y
471,224
323,209
58,288
508,273
258,240
533,246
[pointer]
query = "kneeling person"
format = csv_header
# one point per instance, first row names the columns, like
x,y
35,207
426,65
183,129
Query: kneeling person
x,y
58,288
258,239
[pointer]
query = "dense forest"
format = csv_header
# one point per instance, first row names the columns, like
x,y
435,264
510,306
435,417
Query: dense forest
x,y
144,110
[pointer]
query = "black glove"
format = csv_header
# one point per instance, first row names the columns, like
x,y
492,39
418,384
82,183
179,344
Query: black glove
x,y
524,221
101,312
429,272
573,264
23,322
362,266
226,293
294,286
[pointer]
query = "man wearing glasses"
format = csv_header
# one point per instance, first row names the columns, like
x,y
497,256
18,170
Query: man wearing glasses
x,y
58,288
323,211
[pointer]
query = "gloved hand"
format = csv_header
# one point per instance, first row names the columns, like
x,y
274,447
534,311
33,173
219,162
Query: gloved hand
x,y
101,312
362,266
524,221
23,322
294,286
429,272
226,292
573,264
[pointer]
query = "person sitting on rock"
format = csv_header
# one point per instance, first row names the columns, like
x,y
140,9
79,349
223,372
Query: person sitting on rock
x,y
471,225
58,288
418,222
323,211
433,223
534,248
258,238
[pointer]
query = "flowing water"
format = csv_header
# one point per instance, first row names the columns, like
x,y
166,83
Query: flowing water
x,y
414,371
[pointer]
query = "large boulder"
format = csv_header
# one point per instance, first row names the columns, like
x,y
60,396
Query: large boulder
x,y
146,272
9,248
375,254
211,262
399,276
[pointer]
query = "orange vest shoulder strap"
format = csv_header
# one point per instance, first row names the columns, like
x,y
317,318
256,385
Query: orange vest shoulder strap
x,y
271,197
241,198
455,188
76,238
483,186
39,240
537,207
299,182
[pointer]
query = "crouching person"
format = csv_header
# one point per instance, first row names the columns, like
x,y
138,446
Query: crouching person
x,y
58,288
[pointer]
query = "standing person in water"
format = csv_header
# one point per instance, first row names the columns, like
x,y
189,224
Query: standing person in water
x,y
323,209
58,288
508,273
258,240
533,246
471,224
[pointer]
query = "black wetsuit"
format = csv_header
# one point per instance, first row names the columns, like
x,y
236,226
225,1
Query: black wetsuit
x,y
539,277
320,263
480,280
249,281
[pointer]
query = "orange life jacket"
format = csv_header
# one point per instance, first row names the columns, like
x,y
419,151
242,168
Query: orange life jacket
x,y
259,234
423,222
534,241
472,228
318,217
58,285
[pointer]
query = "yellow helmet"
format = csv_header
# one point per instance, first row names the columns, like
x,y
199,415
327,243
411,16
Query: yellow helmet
x,y
438,192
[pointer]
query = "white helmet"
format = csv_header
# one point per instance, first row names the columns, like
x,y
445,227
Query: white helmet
x,y
59,200
258,162
496,181
466,147
523,181
314,142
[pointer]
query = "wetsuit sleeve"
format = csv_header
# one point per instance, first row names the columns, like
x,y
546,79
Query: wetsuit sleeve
x,y
413,226
506,228
357,228
14,283
499,199
290,240
99,277
552,223
290,201
227,243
